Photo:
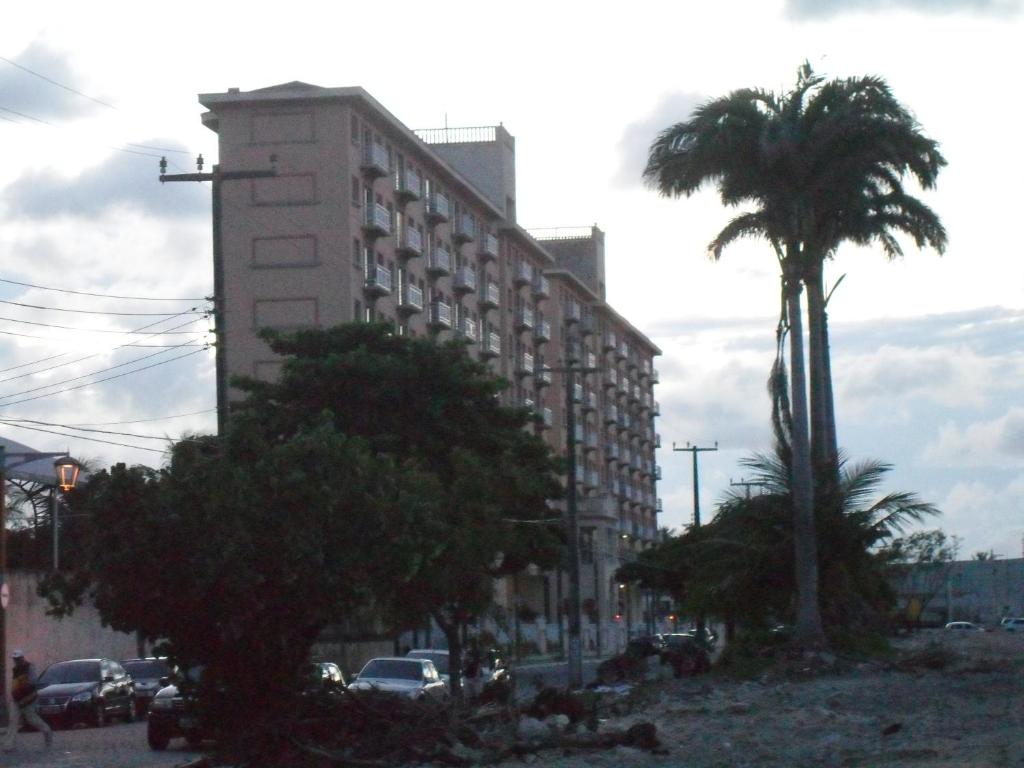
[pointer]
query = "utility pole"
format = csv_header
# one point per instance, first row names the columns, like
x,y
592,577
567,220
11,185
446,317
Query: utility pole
x,y
747,484
575,660
694,450
217,176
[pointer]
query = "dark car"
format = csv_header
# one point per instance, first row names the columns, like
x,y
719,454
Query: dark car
x,y
322,680
147,674
85,691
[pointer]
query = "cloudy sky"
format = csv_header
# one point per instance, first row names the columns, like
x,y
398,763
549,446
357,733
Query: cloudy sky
x,y
926,351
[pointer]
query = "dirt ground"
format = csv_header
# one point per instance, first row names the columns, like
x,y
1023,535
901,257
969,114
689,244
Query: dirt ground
x,y
900,713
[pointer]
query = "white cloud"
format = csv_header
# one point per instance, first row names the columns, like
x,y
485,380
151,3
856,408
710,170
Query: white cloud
x,y
986,516
995,442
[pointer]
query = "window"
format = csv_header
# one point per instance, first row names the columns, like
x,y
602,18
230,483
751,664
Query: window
x,y
358,258
356,201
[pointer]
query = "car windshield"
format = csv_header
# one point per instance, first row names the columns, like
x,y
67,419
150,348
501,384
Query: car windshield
x,y
71,672
440,659
394,669
147,668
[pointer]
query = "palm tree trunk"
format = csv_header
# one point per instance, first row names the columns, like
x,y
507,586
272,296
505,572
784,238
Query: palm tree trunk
x,y
824,444
809,632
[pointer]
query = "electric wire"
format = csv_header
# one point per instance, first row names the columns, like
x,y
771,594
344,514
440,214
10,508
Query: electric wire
x,y
101,381
100,295
51,81
90,439
84,429
86,330
192,311
129,421
86,375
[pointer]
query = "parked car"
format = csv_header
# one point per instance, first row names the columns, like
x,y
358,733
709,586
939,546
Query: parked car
x,y
322,679
147,674
964,626
1012,625
83,691
414,678
173,711
440,659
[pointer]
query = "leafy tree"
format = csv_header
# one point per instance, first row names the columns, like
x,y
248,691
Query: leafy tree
x,y
822,164
431,406
919,565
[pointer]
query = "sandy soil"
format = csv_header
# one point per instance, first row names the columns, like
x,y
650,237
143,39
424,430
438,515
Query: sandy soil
x,y
894,714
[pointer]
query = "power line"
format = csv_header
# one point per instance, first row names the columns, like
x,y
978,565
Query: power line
x,y
99,295
100,381
90,439
192,311
59,85
86,330
86,375
14,422
137,421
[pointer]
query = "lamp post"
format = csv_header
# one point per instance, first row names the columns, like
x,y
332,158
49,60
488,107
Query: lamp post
x,y
67,470
19,458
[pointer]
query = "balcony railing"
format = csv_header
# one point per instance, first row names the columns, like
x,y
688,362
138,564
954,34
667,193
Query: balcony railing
x,y
657,440
578,434
593,478
410,242
378,280
440,261
657,472
624,421
656,410
440,315
611,451
465,329
488,247
654,376
611,414
464,230
611,378
588,324
409,185
542,331
541,287
573,311
542,377
524,365
528,402
524,319
580,474
547,418
611,343
490,345
591,361
623,351
411,299
464,280
522,274
590,441
577,392
590,401
437,208
375,160
490,296
377,221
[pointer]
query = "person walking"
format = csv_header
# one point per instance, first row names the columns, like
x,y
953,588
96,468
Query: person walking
x,y
23,691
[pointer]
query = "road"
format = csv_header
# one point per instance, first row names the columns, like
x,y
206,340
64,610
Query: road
x,y
115,746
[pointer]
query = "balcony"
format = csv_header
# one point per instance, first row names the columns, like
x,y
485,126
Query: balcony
x,y
541,377
529,402
580,474
410,243
611,451
656,410
631,362
611,414
590,441
464,230
590,401
524,319
591,359
588,324
573,311
439,262
490,296
577,392
657,440
375,162
625,422
408,185
488,247
611,343
542,331
411,299
593,478
657,472
634,393
573,352
465,329
547,418
611,378
378,280
436,209
464,280
377,221
541,287
658,507
522,273
524,364
622,351
490,345
654,376
627,456
579,434
440,315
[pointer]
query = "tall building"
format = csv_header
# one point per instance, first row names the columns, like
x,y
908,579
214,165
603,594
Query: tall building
x,y
369,220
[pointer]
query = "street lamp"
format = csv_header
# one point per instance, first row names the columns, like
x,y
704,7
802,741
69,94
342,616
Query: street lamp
x,y
67,476
65,473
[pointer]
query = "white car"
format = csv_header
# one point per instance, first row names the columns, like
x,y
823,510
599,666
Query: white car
x,y
1012,625
439,657
413,678
965,626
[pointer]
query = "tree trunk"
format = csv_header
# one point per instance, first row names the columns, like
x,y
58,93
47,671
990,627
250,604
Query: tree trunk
x,y
824,444
809,632
452,634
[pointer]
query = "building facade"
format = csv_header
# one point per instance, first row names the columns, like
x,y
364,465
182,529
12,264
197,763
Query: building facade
x,y
367,220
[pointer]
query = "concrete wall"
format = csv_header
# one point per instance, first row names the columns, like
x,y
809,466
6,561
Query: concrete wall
x,y
46,639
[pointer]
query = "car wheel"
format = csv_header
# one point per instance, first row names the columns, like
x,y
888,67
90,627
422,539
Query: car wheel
x,y
99,716
158,740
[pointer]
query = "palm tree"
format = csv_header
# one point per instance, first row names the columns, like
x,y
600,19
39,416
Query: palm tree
x,y
821,164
